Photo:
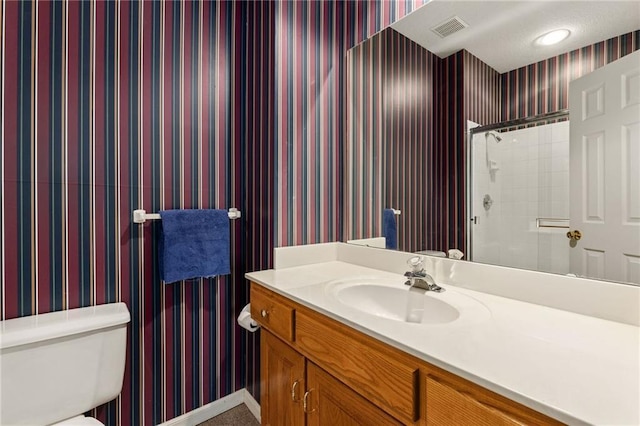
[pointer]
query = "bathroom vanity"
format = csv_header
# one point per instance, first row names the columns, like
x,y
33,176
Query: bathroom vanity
x,y
336,348
350,375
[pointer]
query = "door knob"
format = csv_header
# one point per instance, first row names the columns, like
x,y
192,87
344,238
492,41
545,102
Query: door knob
x,y
574,235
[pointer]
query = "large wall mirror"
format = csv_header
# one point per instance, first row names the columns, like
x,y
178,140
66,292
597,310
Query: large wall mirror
x,y
474,132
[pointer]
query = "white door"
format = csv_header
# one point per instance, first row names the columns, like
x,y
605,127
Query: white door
x,y
605,171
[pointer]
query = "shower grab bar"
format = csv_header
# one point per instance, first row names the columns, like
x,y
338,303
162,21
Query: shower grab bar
x,y
141,216
548,222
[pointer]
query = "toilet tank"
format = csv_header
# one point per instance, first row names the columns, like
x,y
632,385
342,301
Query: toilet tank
x,y
59,365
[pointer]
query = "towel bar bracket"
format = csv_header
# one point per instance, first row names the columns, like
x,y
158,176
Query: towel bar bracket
x,y
141,216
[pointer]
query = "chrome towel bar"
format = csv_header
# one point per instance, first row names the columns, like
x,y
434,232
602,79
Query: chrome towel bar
x,y
141,216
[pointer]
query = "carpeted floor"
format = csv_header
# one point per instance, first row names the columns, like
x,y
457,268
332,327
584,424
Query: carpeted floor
x,y
237,416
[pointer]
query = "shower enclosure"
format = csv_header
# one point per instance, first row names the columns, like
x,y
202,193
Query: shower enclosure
x,y
519,193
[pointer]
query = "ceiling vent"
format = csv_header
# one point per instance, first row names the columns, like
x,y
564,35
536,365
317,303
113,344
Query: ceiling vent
x,y
450,26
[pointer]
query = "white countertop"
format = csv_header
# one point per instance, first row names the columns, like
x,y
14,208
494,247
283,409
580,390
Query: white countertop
x,y
575,368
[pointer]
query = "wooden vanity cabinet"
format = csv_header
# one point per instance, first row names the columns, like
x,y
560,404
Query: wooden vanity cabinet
x,y
297,392
332,403
364,364
273,312
283,386
318,371
451,400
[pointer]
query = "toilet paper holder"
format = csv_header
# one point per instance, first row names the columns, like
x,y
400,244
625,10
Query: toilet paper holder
x,y
246,321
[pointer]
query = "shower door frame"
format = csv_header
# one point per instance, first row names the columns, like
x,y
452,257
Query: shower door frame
x,y
530,121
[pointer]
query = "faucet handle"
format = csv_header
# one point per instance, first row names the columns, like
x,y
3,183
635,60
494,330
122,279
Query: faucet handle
x,y
416,263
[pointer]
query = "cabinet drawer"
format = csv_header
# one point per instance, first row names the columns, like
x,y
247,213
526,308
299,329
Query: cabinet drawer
x,y
272,312
368,367
454,401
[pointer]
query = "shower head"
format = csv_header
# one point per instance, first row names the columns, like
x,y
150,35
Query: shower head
x,y
494,134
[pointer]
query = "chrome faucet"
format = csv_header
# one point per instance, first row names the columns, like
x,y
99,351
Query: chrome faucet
x,y
418,277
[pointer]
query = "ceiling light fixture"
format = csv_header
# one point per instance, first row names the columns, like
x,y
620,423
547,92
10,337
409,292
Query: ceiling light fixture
x,y
553,37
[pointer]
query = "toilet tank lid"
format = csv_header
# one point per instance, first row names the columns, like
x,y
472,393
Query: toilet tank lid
x,y
34,328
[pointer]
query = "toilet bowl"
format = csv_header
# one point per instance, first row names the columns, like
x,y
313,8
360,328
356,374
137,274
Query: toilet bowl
x,y
59,365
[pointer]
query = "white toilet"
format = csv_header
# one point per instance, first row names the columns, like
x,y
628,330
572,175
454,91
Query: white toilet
x,y
55,367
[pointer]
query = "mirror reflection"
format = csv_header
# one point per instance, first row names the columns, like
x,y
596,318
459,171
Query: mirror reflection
x,y
519,196
502,193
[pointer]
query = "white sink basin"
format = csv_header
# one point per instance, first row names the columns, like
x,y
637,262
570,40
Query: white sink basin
x,y
396,302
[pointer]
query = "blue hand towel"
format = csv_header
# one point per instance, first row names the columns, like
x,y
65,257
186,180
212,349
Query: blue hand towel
x,y
389,229
193,244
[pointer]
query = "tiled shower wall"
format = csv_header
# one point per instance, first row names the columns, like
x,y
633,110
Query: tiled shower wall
x,y
528,179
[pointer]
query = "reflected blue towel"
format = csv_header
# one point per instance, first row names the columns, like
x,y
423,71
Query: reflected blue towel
x,y
193,244
389,229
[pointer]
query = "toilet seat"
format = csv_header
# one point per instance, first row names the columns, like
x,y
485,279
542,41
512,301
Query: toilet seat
x,y
80,421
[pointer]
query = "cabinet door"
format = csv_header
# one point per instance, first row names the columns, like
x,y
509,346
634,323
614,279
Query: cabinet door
x,y
362,363
329,402
283,383
454,402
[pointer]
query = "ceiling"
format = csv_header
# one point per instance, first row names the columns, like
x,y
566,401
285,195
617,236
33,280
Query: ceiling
x,y
502,33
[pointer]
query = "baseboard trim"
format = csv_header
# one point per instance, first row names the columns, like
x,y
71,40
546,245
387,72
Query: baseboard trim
x,y
252,404
204,413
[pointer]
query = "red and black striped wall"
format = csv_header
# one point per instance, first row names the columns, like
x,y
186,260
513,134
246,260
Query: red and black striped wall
x,y
389,137
468,89
312,39
544,86
405,130
112,106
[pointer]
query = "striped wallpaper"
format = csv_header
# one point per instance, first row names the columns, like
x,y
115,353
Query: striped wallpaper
x,y
544,86
311,42
469,89
406,121
389,137
112,106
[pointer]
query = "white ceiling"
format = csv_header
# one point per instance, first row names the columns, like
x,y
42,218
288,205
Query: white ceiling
x,y
501,33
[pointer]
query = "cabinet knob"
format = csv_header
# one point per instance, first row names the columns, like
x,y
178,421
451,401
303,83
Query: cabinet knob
x,y
305,403
264,313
